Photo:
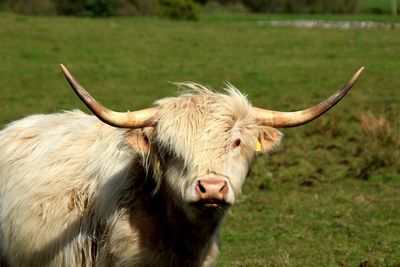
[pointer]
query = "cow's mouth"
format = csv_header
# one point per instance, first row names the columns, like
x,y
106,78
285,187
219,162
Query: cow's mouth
x,y
210,205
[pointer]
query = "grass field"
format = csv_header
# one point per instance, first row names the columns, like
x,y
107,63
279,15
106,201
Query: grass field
x,y
329,197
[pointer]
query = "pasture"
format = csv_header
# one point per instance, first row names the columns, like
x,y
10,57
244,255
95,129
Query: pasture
x,y
328,197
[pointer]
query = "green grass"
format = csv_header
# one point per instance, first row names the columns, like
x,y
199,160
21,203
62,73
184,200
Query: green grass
x,y
328,197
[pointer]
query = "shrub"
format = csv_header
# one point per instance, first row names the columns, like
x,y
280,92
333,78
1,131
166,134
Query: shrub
x,y
202,2
179,9
64,7
146,7
267,6
101,7
126,8
30,7
70,7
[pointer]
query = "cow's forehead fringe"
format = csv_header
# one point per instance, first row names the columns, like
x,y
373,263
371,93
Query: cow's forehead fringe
x,y
198,105
196,95
200,118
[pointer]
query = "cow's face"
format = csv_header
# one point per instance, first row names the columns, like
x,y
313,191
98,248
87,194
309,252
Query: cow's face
x,y
205,142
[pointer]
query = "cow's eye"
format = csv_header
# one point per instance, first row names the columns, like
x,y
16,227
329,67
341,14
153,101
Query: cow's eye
x,y
236,143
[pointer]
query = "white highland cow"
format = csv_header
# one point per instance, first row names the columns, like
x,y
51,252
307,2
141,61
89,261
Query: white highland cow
x,y
142,188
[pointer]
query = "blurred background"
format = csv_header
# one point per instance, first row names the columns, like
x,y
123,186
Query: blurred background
x,y
192,9
330,196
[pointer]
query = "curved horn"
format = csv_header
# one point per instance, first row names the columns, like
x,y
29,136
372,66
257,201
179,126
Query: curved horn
x,y
291,119
134,119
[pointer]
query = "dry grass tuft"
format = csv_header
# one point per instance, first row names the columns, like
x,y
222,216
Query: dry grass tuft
x,y
281,260
380,142
379,130
327,127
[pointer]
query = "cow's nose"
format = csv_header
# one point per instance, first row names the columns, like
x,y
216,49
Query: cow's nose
x,y
212,188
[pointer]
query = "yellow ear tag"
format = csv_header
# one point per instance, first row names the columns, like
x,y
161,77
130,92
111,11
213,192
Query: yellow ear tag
x,y
258,146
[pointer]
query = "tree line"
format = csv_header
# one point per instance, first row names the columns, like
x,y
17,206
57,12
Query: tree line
x,y
179,9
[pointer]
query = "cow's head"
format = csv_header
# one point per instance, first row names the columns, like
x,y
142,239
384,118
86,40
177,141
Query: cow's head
x,y
201,143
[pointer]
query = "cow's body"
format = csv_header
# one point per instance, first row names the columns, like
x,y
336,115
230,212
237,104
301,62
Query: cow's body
x,y
75,191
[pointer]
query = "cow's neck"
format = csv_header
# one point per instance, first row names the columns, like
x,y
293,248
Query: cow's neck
x,y
186,218
186,238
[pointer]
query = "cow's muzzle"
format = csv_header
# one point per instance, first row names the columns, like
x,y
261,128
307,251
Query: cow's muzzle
x,y
211,192
212,189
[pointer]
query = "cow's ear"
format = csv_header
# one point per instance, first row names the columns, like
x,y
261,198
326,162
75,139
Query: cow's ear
x,y
140,139
268,139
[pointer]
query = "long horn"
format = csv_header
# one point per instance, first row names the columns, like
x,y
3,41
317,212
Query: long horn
x,y
280,119
131,119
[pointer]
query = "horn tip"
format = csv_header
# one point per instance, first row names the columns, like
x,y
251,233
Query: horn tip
x,y
357,74
67,74
360,70
64,69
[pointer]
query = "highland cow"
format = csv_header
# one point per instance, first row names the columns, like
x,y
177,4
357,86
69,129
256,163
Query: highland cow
x,y
141,188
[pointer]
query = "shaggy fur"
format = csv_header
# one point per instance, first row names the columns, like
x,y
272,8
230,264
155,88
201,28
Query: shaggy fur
x,y
77,192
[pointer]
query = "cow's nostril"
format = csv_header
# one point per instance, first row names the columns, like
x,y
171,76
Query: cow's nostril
x,y
223,187
202,188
